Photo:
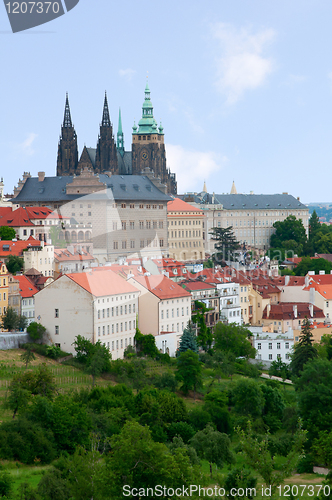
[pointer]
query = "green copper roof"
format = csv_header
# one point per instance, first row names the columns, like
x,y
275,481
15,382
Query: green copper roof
x,y
120,139
147,124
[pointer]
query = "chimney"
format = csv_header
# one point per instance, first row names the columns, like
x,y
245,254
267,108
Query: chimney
x,y
41,176
295,310
286,280
321,273
268,310
312,295
311,310
306,281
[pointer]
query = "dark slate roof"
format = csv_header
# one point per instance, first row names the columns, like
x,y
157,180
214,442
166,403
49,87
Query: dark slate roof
x,y
51,189
92,154
122,187
124,161
246,201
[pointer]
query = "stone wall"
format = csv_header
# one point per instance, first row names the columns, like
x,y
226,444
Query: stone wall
x,y
13,340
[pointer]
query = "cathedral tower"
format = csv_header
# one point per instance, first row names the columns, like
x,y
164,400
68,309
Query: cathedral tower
x,y
148,147
67,150
106,157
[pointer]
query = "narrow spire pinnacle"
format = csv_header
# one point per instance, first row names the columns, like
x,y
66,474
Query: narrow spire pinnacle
x,y
106,121
120,138
67,118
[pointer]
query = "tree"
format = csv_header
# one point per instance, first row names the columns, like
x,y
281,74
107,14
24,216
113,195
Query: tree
x,y
188,339
7,233
27,356
189,371
14,264
248,398
212,446
307,264
237,478
314,225
260,459
10,319
96,365
279,369
18,397
233,338
289,234
36,331
204,336
226,243
96,357
22,323
304,350
146,344
314,389
138,462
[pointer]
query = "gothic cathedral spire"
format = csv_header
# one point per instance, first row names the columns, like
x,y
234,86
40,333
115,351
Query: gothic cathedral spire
x,y
120,138
106,157
67,160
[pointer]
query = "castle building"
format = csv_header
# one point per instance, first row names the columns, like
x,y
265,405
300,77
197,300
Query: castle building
x,y
148,153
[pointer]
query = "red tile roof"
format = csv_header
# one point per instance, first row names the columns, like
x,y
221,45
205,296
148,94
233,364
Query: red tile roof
x,y
285,311
17,247
27,289
162,287
102,283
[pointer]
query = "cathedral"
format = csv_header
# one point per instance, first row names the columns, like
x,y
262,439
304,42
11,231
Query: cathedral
x,y
148,154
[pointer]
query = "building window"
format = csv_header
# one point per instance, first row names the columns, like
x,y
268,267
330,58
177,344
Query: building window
x,y
115,245
287,345
270,345
98,331
270,356
278,345
141,243
56,313
259,345
112,345
124,226
56,330
124,245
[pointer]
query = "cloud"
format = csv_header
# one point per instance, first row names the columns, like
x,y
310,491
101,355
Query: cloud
x,y
127,73
25,147
192,167
294,80
242,65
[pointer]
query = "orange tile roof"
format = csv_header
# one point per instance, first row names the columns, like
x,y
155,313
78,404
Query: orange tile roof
x,y
27,289
162,287
100,284
324,290
178,205
197,285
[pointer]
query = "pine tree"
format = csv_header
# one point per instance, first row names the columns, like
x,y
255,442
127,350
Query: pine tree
x,y
314,225
226,243
304,350
188,339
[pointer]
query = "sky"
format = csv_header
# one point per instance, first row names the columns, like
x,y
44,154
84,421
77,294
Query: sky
x,y
243,89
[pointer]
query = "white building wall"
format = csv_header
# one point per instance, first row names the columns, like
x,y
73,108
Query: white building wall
x,y
168,343
66,310
174,315
270,347
42,260
28,308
